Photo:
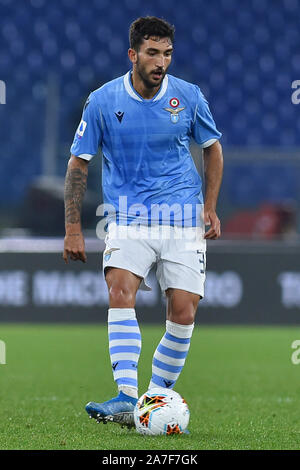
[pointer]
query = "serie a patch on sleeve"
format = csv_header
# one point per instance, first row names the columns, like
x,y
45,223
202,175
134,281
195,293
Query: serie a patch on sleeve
x,y
81,128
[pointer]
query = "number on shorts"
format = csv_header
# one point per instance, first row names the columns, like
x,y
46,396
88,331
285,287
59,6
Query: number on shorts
x,y
201,261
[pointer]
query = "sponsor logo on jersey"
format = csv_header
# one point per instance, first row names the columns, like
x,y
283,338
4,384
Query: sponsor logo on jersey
x,y
119,115
81,128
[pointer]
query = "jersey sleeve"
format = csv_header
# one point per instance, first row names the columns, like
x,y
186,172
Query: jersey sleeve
x,y
88,136
204,129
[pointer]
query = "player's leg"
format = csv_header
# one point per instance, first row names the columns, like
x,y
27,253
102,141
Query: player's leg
x,y
123,329
124,347
125,271
181,275
181,306
170,355
126,263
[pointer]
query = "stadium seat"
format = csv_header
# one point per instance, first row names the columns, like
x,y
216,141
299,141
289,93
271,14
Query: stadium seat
x,y
244,61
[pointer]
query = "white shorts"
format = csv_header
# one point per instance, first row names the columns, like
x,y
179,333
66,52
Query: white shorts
x,y
178,253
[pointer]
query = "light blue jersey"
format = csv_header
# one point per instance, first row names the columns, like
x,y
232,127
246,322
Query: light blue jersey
x,y
147,162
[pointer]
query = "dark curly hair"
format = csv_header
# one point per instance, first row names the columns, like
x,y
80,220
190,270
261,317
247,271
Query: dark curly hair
x,y
142,28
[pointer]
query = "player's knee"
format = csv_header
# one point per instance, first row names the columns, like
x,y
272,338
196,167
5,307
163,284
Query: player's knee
x,y
184,315
121,296
182,307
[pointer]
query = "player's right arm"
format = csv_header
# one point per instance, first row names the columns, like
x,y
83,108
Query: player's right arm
x,y
75,187
85,146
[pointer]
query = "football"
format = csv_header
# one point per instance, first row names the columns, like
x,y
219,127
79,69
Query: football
x,y
161,411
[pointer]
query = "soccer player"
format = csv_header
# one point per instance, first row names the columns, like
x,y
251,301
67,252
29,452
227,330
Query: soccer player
x,y
144,122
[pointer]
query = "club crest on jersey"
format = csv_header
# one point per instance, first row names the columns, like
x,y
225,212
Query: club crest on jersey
x,y
174,110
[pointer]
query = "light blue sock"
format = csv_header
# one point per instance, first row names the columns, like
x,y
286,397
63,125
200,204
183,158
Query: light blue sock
x,y
124,348
170,355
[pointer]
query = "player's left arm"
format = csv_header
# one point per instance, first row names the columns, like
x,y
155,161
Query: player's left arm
x,y
213,172
206,134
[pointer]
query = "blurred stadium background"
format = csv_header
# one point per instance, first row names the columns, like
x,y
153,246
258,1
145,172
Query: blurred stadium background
x,y
244,56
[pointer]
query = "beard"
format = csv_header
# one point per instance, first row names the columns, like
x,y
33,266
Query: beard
x,y
147,78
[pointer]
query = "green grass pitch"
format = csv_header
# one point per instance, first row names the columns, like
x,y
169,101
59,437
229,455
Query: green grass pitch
x,y
239,382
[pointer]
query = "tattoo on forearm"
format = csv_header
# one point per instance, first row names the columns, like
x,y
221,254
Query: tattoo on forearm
x,y
75,187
